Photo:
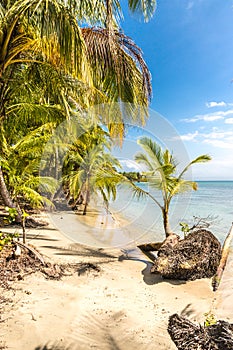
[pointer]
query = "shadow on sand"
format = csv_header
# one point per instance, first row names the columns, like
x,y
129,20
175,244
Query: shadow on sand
x,y
148,277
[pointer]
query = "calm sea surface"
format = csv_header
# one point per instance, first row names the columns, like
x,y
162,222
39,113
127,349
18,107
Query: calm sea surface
x,y
140,220
212,200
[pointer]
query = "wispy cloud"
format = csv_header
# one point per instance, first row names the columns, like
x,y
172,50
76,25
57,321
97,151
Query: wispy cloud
x,y
216,104
130,164
219,143
189,136
190,5
216,138
205,118
209,117
229,121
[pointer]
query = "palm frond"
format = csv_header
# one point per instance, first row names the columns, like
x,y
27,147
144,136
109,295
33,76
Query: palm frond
x,y
201,159
119,64
144,7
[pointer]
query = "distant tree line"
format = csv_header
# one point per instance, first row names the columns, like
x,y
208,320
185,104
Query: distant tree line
x,y
134,176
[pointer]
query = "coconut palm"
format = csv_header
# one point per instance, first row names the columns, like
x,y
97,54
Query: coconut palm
x,y
41,37
91,169
110,65
161,173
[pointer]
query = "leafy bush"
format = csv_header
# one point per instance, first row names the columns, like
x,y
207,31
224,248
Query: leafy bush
x,y
7,239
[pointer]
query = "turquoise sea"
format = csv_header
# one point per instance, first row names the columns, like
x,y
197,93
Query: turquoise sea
x,y
143,222
140,220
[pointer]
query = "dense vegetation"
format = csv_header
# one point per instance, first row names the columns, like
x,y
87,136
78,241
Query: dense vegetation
x,y
57,59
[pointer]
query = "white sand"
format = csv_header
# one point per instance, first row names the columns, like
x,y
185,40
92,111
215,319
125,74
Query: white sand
x,y
122,307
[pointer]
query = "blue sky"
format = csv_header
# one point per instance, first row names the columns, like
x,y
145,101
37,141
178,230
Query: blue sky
x,y
188,46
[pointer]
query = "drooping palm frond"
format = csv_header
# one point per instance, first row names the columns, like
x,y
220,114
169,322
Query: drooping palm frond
x,y
93,12
118,70
144,7
201,159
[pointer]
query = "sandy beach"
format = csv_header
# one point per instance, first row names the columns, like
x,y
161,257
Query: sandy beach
x,y
121,307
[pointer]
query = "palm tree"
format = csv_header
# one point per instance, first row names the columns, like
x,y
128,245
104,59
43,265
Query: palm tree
x,y
39,40
90,169
161,173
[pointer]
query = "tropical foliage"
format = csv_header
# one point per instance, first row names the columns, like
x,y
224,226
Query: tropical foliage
x,y
90,168
161,170
21,165
58,58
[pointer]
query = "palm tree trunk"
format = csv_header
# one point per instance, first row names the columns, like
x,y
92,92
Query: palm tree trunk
x,y
87,197
166,223
86,202
7,198
109,19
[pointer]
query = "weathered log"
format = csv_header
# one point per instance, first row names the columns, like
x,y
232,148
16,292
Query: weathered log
x,y
147,248
225,252
196,256
33,251
189,336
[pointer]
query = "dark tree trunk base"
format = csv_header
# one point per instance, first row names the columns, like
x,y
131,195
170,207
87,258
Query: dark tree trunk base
x,y
189,336
196,256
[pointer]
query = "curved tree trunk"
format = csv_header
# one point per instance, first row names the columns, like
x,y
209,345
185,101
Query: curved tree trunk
x,y
7,198
225,252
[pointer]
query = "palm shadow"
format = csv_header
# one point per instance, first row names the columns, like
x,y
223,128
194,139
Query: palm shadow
x,y
101,334
148,277
77,250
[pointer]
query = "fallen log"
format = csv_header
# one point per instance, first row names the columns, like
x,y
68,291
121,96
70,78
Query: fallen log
x,y
147,248
225,252
32,250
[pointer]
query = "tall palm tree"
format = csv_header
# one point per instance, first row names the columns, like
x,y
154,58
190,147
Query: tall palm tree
x,y
161,172
37,37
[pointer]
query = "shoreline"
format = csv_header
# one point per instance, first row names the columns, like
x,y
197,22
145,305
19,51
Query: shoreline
x,y
123,303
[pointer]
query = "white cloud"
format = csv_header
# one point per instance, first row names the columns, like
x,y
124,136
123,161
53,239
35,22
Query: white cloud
x,y
216,104
227,135
209,117
219,143
216,138
130,164
204,117
189,136
229,121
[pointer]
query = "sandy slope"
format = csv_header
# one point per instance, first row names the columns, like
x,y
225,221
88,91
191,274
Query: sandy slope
x,y
122,307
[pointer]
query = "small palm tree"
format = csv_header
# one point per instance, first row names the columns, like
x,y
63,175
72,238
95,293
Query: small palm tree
x,y
161,170
90,169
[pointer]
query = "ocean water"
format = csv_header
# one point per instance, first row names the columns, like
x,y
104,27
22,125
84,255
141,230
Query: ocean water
x,y
139,220
143,221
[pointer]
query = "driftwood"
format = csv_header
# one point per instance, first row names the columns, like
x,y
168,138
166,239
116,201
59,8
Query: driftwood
x,y
147,248
32,250
196,256
225,252
189,336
